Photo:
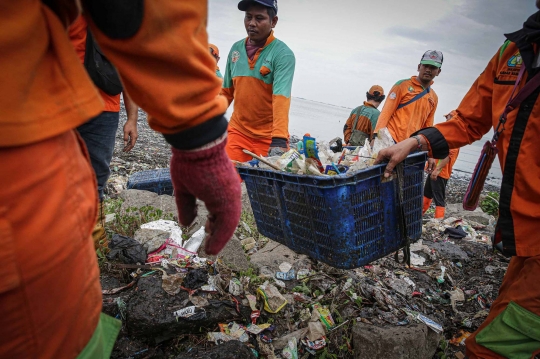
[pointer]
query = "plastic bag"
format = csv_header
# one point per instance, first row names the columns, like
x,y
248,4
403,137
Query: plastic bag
x,y
126,249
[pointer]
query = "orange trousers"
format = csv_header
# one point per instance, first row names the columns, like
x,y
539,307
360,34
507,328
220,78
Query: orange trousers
x,y
50,295
520,285
237,141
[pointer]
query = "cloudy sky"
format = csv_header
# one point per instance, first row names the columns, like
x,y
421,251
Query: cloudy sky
x,y
343,47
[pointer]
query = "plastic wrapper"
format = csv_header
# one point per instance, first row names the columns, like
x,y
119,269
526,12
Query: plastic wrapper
x,y
195,241
382,141
324,315
311,152
286,160
235,287
291,350
273,300
167,226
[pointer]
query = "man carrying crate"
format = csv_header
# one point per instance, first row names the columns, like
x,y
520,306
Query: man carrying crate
x,y
512,328
258,77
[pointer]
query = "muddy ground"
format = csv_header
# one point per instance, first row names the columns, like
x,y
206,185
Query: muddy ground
x,y
151,331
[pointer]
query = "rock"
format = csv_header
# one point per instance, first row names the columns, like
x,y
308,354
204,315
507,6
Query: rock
x,y
135,199
411,342
151,239
449,250
273,254
110,217
456,210
229,350
232,255
149,313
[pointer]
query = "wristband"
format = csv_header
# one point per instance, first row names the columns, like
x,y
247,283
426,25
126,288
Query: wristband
x,y
419,147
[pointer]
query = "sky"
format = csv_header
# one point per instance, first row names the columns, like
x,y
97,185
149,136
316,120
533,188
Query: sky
x,y
342,47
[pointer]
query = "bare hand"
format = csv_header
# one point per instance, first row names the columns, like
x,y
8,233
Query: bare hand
x,y
130,135
395,154
431,165
435,173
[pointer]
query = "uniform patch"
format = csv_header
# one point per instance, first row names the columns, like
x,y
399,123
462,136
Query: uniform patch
x,y
392,96
235,56
515,60
411,89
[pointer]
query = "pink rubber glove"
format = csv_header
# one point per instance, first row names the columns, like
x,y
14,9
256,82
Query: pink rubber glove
x,y
208,174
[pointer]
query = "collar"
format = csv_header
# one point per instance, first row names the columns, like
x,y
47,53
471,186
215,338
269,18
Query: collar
x,y
418,83
270,38
525,38
367,104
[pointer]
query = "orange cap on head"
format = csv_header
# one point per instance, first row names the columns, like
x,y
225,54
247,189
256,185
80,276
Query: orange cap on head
x,y
376,88
214,50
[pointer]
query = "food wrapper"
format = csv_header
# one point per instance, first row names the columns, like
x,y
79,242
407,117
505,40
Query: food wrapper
x,y
310,150
291,350
324,315
273,300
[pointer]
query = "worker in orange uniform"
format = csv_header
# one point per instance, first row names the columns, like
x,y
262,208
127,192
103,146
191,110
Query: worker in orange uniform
x,y
512,328
50,295
411,104
258,77
215,52
99,133
435,187
363,119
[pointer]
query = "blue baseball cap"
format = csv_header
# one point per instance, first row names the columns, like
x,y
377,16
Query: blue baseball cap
x,y
244,4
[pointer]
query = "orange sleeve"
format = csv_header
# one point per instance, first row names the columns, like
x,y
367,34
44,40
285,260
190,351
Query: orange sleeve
x,y
431,118
280,107
347,129
165,66
228,93
390,106
473,117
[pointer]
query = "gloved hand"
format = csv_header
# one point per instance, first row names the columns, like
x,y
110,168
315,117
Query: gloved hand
x,y
208,174
276,151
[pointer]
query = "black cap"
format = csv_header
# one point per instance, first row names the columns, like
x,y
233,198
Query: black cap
x,y
244,4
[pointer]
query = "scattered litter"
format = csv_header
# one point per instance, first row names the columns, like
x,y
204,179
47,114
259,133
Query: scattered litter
x,y
291,350
302,273
290,275
193,244
324,315
235,287
167,226
315,345
116,290
273,300
172,283
316,331
196,278
440,278
285,267
430,323
126,249
461,339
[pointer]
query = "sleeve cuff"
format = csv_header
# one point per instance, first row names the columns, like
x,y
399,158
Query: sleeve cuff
x,y
278,142
437,142
199,135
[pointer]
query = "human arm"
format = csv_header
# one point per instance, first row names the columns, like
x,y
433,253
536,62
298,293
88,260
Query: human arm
x,y
227,89
472,119
161,52
390,106
281,101
130,127
439,165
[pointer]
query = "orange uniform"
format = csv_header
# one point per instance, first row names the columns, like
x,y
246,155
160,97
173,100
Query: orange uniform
x,y
511,329
402,122
261,90
446,172
367,116
50,296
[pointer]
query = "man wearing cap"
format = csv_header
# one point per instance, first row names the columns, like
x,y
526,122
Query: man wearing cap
x,y
215,53
411,104
363,119
258,78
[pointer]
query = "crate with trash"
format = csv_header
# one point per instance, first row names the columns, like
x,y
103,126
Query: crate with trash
x,y
335,205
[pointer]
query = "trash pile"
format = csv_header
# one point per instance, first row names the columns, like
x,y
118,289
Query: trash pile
x,y
324,159
303,308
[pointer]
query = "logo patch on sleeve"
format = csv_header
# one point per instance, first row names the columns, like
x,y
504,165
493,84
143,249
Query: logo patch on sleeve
x,y
392,96
235,56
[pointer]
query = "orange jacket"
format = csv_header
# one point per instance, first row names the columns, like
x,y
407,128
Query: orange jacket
x,y
367,118
77,35
478,113
404,121
446,172
165,67
261,89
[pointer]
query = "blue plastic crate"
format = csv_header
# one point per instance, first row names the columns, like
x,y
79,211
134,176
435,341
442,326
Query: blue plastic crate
x,y
344,221
158,181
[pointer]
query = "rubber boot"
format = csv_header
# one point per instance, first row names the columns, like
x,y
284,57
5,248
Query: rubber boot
x,y
427,203
439,212
98,234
